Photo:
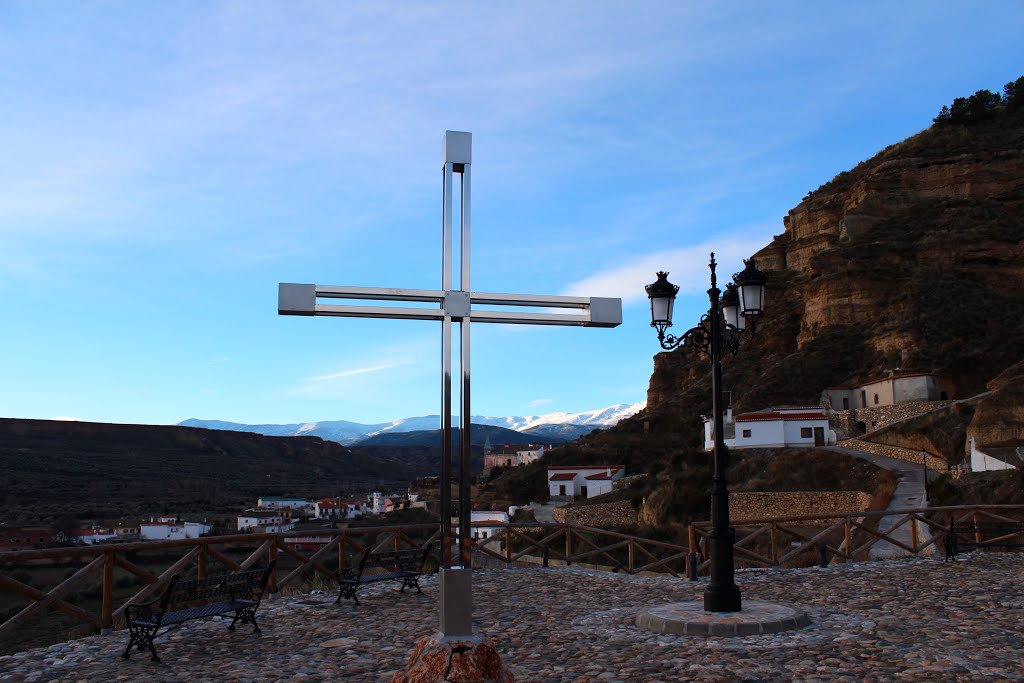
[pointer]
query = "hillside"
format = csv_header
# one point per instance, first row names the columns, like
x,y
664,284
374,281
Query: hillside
x,y
914,259
92,470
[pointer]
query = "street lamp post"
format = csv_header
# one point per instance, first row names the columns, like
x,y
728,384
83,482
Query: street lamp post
x,y
730,320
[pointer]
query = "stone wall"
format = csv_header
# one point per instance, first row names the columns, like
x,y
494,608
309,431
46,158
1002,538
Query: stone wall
x,y
619,513
845,421
907,455
744,506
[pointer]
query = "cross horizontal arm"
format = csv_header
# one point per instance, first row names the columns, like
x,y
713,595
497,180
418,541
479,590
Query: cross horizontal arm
x,y
301,299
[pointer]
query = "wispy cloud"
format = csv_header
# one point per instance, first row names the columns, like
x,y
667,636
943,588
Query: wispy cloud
x,y
537,402
349,373
688,267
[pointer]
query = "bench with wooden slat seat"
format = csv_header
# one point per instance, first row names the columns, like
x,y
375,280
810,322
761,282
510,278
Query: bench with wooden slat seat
x,y
404,566
185,600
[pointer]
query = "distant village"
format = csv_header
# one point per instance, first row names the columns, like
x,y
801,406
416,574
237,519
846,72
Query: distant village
x,y
844,412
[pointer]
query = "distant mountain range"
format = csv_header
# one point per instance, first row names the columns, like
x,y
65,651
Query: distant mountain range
x,y
552,427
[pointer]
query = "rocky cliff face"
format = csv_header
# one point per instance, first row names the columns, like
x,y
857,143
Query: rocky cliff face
x,y
914,260
999,419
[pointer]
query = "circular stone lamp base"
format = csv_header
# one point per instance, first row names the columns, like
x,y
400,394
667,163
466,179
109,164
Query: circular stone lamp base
x,y
690,619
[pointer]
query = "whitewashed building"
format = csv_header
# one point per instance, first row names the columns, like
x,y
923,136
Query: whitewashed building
x,y
983,462
773,428
171,529
896,388
92,536
338,508
583,482
258,518
284,502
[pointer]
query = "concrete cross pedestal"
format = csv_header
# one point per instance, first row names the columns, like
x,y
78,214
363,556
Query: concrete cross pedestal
x,y
461,306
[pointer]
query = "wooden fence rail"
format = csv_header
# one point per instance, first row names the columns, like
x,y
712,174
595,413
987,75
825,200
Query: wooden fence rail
x,y
775,542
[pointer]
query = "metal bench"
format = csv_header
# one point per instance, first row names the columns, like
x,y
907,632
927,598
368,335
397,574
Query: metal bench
x,y
1003,535
183,601
404,566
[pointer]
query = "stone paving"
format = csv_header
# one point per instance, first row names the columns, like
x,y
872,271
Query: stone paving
x,y
909,619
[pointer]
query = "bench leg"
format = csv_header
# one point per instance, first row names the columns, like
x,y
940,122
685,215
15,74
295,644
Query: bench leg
x,y
411,582
347,590
247,615
142,638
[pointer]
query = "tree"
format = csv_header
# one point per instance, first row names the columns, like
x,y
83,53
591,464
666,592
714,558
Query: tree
x,y
1013,94
980,106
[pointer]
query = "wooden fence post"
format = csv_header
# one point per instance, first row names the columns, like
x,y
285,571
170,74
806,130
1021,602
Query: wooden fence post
x,y
632,555
774,541
201,562
568,545
107,613
848,538
272,556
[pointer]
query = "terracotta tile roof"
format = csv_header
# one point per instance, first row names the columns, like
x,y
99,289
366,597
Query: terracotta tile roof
x,y
585,467
755,417
563,476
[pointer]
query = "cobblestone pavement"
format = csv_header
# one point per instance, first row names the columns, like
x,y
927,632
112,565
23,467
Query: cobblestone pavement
x,y
910,619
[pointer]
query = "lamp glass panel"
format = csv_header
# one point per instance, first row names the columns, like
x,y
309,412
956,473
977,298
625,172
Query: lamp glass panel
x,y
732,315
752,298
661,309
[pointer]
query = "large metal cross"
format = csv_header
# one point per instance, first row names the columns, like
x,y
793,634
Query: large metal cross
x,y
456,305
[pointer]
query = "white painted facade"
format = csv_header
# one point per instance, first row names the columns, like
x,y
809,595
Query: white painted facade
x,y
278,502
338,508
93,536
254,518
171,529
982,462
890,390
585,482
774,428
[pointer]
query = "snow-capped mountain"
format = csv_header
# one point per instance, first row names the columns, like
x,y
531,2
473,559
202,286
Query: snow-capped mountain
x,y
569,425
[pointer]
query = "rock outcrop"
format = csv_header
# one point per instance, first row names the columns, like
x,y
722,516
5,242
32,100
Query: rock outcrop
x,y
912,260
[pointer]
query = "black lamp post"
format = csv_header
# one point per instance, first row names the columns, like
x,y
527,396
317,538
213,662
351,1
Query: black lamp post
x,y
729,321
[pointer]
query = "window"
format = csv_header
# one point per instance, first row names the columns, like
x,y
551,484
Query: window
x,y
806,433
746,433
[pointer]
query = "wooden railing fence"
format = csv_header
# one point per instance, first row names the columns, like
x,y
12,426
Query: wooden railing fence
x,y
775,542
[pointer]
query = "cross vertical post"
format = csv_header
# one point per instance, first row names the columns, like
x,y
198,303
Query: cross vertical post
x,y
455,305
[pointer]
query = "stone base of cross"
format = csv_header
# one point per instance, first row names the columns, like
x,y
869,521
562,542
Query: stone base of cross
x,y
461,306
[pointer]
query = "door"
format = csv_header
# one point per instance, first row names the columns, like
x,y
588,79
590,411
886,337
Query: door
x,y
583,491
561,489
819,436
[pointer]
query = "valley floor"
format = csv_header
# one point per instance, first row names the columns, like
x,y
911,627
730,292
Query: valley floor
x,y
913,619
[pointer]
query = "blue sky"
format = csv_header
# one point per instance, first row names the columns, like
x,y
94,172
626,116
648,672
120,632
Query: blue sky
x,y
164,165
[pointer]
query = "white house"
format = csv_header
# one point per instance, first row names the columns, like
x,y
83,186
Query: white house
x,y
171,529
480,533
896,388
583,482
279,502
524,457
982,462
378,504
338,508
773,428
258,518
92,536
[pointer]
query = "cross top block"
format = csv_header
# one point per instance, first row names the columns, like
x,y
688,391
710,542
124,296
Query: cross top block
x,y
457,147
